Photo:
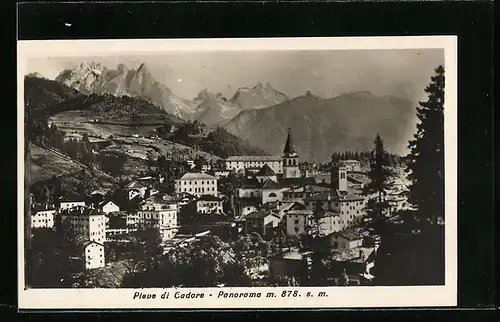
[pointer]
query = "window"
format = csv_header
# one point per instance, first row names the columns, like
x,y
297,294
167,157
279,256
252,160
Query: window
x,y
296,221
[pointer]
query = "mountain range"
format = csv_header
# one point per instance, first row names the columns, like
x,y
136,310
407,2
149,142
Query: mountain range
x,y
261,114
207,107
322,126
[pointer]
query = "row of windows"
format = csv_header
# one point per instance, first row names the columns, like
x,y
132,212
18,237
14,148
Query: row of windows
x,y
156,215
198,190
210,182
41,221
208,204
289,162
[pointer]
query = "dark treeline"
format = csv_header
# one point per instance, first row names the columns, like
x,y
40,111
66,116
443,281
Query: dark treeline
x,y
364,157
218,142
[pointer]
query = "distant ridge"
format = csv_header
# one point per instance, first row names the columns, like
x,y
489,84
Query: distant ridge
x,y
321,126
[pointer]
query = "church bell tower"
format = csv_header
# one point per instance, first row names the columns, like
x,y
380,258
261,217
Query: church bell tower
x,y
290,159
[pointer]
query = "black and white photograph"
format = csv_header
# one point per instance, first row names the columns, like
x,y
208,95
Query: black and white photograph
x,y
237,172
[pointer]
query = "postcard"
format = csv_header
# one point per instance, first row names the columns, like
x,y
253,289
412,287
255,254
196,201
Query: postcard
x,y
237,173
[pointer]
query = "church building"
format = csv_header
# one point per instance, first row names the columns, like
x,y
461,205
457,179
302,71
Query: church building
x,y
290,159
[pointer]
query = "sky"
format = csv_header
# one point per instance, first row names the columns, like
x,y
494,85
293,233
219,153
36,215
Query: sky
x,y
326,73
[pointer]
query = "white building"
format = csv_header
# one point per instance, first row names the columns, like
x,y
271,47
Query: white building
x,y
108,206
86,223
161,213
93,253
339,178
237,163
208,204
197,184
43,218
351,165
71,201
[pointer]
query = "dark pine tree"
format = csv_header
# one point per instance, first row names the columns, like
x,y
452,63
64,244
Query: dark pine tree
x,y
425,162
380,176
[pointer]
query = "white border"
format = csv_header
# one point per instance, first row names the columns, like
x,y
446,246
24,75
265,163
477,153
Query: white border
x,y
345,297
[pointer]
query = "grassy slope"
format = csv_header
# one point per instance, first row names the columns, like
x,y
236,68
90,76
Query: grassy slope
x,y
46,163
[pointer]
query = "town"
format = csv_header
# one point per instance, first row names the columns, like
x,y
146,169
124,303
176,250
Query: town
x,y
311,218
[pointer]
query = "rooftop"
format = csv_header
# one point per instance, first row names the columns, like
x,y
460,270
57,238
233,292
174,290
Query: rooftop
x,y
289,182
161,199
134,185
325,195
300,212
251,183
351,197
254,158
265,171
349,161
289,146
293,254
82,241
356,255
72,198
82,211
270,184
259,215
350,235
197,175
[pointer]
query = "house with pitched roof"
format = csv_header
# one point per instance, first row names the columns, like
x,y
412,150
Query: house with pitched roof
x,y
160,212
43,217
135,189
209,204
197,184
90,253
265,173
261,222
72,200
292,264
107,206
271,191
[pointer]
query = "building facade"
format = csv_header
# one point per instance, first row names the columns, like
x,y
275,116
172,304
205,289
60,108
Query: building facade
x,y
197,184
157,212
351,165
94,255
108,206
43,218
208,204
86,223
238,163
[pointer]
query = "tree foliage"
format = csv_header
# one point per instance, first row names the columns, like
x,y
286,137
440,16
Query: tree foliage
x,y
426,158
224,144
203,263
381,181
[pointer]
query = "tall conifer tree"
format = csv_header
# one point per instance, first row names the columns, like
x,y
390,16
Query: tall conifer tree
x,y
425,163
381,181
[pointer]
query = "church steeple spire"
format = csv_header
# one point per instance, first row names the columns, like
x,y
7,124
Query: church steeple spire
x,y
289,147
